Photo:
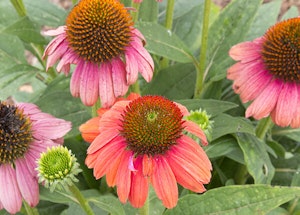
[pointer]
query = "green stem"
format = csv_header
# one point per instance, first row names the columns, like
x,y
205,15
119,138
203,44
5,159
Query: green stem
x,y
19,6
263,127
168,24
204,38
95,107
81,200
145,209
241,174
30,210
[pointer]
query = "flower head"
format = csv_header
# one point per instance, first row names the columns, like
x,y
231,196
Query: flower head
x,y
108,51
25,132
141,142
268,74
57,167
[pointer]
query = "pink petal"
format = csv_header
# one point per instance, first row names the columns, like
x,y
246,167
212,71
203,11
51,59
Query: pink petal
x,y
119,77
263,105
57,31
102,139
196,130
27,183
75,79
164,182
106,85
10,195
131,68
245,52
286,105
296,120
89,83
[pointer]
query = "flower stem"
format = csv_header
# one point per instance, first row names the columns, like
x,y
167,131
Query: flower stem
x,y
263,127
145,209
19,6
168,24
201,66
30,210
82,201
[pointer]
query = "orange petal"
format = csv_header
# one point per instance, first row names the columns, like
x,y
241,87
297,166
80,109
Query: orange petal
x,y
164,182
147,165
196,130
90,129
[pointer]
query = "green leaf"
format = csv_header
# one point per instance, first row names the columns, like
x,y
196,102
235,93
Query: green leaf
x,y
292,133
212,107
245,200
256,158
226,124
180,86
62,104
11,79
228,29
11,52
25,30
164,43
148,11
43,12
108,203
55,196
267,15
224,146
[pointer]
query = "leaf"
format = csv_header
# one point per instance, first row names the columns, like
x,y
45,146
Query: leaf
x,y
256,158
26,31
164,43
245,200
292,133
148,11
56,196
11,52
226,124
229,28
267,15
108,203
62,104
11,79
180,86
43,12
212,107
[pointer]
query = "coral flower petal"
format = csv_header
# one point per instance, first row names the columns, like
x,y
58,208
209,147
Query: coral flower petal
x,y
139,186
27,182
147,165
266,101
103,139
90,129
124,177
286,105
196,130
164,182
10,195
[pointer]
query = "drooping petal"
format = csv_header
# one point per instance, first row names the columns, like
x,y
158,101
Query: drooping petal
x,y
296,120
119,77
131,68
245,52
266,101
124,177
10,195
196,130
106,85
139,186
27,183
147,165
286,105
102,139
90,129
89,84
164,182
75,79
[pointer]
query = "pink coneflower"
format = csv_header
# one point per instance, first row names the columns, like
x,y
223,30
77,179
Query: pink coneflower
x,y
108,51
268,74
140,143
25,132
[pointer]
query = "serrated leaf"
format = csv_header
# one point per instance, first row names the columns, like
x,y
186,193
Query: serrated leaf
x,y
228,29
229,200
11,79
212,107
180,86
25,30
164,43
226,124
256,158
62,104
